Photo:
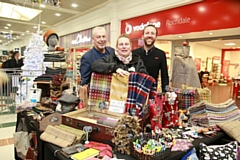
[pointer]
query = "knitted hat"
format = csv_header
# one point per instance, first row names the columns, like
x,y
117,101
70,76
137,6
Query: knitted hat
x,y
48,34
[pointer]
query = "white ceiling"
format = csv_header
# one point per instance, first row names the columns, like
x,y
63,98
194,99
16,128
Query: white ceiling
x,y
19,27
216,38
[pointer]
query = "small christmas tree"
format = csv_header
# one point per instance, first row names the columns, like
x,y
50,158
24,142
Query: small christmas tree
x,y
33,65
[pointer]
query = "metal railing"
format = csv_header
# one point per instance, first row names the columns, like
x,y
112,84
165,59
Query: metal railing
x,y
16,89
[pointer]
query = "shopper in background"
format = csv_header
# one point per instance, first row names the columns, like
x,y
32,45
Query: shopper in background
x,y
14,62
98,51
122,62
6,63
154,59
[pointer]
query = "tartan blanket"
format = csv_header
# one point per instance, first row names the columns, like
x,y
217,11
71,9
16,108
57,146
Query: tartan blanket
x,y
204,93
99,89
140,87
186,97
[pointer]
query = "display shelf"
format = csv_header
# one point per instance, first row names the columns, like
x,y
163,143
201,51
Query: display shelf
x,y
73,62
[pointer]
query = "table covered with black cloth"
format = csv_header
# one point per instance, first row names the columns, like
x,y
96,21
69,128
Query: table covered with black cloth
x,y
51,151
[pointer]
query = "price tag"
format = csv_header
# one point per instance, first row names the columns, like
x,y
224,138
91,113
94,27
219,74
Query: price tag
x,y
117,106
33,97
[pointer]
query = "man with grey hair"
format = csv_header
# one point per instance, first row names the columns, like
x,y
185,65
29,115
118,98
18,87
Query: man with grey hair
x,y
98,51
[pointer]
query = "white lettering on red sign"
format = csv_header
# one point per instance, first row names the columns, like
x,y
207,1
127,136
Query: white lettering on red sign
x,y
178,21
129,28
81,39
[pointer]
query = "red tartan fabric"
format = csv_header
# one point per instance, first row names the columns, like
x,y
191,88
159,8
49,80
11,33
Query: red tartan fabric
x,y
187,97
140,86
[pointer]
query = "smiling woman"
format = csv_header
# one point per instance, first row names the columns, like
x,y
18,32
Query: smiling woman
x,y
122,62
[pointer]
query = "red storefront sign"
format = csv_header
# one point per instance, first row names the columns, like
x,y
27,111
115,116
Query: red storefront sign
x,y
202,16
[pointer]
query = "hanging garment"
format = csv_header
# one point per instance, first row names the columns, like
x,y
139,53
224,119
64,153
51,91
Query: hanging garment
x,y
184,72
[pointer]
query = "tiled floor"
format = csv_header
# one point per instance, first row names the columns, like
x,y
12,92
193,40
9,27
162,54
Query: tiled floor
x,y
8,122
7,128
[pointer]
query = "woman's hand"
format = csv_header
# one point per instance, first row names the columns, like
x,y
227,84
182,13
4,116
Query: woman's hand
x,y
121,72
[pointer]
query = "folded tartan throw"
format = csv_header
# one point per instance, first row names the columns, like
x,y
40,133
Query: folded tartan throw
x,y
209,114
140,87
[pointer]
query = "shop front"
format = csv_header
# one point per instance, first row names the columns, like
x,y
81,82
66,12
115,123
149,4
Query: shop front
x,y
207,15
78,44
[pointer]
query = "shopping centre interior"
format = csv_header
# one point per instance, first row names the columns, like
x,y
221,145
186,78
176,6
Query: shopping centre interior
x,y
213,36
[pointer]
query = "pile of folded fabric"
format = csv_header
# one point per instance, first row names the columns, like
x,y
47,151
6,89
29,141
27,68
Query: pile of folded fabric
x,y
49,74
55,57
208,114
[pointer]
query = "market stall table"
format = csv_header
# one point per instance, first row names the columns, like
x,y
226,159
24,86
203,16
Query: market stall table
x,y
51,152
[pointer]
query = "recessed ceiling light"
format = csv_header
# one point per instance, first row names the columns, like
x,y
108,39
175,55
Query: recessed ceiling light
x,y
179,36
210,33
229,44
74,5
6,27
35,27
58,14
23,34
27,31
4,36
42,5
43,22
9,24
11,31
17,37
14,38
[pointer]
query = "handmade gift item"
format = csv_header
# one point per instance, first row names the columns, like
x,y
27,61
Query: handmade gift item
x,y
208,114
186,97
155,112
148,146
126,129
58,137
170,110
227,151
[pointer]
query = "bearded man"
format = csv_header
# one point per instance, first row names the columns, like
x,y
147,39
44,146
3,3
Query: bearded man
x,y
154,59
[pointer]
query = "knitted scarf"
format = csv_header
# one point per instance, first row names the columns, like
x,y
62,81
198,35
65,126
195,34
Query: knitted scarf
x,y
125,60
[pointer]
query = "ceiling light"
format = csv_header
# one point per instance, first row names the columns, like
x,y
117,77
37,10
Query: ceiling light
x,y
6,27
18,12
27,31
42,5
4,36
23,34
74,5
210,33
179,36
35,27
17,37
43,22
58,14
9,24
229,44
14,38
11,31
238,47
